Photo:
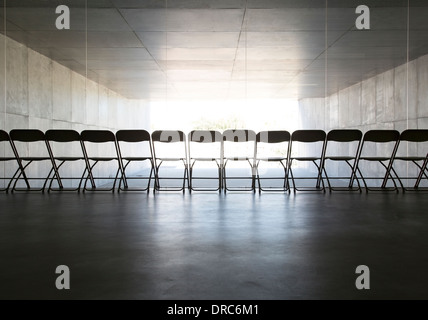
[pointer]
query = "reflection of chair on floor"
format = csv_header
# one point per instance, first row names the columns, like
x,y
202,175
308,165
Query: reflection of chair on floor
x,y
33,141
351,141
4,138
169,146
281,140
142,148
65,146
204,146
378,140
108,153
414,141
239,146
314,141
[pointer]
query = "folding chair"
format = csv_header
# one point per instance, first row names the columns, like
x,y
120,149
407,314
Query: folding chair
x,y
314,140
348,144
166,143
34,142
91,139
65,146
200,144
4,138
134,146
264,153
413,143
243,144
384,144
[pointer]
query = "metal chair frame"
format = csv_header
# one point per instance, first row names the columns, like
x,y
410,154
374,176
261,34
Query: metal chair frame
x,y
204,137
134,136
308,136
28,136
417,136
273,137
169,136
99,137
343,136
379,136
65,136
239,136
4,137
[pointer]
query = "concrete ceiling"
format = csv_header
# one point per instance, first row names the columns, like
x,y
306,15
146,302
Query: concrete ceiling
x,y
223,49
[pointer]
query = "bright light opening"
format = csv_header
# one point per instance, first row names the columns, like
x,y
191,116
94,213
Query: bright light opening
x,y
257,115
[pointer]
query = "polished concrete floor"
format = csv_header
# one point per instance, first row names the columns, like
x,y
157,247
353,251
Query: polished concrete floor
x,y
211,246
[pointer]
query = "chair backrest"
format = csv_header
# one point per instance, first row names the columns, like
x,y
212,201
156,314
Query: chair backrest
x,y
205,136
59,135
308,136
98,136
64,142
414,135
205,144
239,135
133,136
21,138
169,144
27,135
168,136
380,143
134,143
273,136
344,135
99,143
413,142
272,144
307,143
381,136
343,142
4,136
7,151
239,143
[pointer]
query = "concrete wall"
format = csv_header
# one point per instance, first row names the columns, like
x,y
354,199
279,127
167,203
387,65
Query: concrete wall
x,y
380,102
37,92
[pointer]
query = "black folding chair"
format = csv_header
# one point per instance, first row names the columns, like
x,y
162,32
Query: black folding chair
x,y
347,144
65,146
34,142
413,143
314,141
108,153
5,140
200,144
168,147
281,141
134,146
239,146
384,144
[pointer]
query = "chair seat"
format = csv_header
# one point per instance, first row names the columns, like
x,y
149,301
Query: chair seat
x,y
375,158
306,158
339,158
238,158
69,158
205,159
102,158
136,158
410,158
35,158
272,159
171,159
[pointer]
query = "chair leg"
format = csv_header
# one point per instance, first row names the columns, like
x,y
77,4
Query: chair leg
x,y
422,172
